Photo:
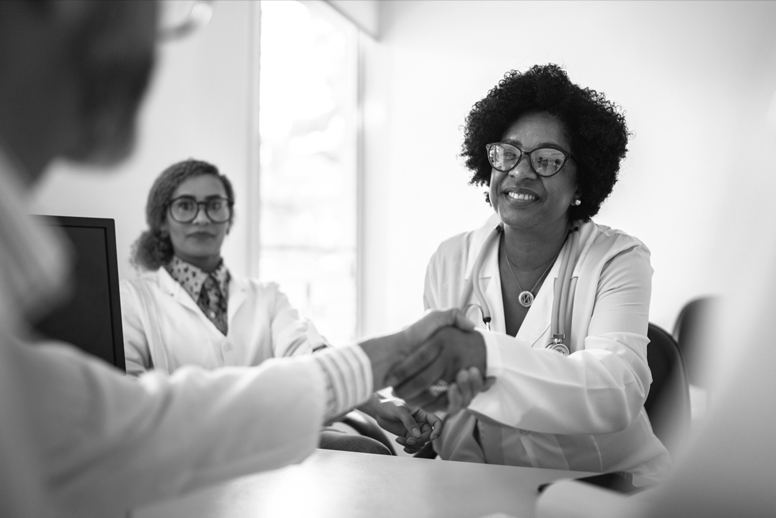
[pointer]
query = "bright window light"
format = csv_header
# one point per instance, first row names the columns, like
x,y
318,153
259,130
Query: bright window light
x,y
307,122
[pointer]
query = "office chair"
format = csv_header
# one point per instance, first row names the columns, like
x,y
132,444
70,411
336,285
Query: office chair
x,y
366,426
692,331
668,402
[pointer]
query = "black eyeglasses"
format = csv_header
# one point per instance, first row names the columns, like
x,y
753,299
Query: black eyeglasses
x,y
184,209
545,161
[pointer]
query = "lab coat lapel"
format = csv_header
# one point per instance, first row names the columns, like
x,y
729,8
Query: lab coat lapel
x,y
490,283
238,292
175,290
478,239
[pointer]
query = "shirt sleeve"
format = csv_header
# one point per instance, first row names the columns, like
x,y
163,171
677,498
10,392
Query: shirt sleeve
x,y
108,442
348,377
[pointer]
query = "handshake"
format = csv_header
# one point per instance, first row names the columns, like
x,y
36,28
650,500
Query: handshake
x,y
438,351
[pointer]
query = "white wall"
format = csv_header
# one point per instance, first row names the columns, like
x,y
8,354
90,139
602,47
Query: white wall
x,y
365,14
199,105
690,75
694,78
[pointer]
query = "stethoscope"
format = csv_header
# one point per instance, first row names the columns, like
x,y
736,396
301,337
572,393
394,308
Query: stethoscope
x,y
564,286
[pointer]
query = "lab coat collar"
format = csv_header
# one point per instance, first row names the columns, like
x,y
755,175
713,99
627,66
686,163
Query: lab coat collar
x,y
478,238
238,293
480,235
538,319
238,288
586,240
172,288
490,281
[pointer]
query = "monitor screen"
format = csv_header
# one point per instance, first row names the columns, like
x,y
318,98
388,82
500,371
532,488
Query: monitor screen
x,y
91,318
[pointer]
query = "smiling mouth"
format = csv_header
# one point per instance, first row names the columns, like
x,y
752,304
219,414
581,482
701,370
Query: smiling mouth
x,y
521,196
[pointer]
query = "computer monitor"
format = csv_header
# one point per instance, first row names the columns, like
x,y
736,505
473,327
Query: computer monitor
x,y
91,318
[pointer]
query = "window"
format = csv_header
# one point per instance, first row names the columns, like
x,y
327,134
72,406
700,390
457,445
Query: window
x,y
308,181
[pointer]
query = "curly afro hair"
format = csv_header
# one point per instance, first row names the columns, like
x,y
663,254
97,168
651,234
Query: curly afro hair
x,y
594,126
153,249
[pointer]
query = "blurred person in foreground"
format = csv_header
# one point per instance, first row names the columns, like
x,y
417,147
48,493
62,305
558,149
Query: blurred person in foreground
x,y
549,152
77,437
185,307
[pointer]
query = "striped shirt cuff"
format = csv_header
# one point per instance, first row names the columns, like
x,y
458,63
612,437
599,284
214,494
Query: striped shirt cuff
x,y
348,374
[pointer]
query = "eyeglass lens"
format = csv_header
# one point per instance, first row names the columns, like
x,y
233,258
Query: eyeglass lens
x,y
545,161
185,209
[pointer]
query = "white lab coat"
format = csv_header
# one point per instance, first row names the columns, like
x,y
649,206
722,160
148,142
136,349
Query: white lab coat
x,y
165,329
581,412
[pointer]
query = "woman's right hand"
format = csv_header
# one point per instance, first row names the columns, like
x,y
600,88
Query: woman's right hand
x,y
468,383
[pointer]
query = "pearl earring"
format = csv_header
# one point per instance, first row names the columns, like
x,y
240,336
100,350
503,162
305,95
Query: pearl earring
x,y
577,202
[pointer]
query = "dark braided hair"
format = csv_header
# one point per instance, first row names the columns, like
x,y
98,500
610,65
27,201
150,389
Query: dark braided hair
x,y
596,129
153,248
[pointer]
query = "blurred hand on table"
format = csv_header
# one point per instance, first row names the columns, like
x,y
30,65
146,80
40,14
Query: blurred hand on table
x,y
413,428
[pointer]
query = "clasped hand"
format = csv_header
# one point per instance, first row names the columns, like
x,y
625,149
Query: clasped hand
x,y
441,346
454,355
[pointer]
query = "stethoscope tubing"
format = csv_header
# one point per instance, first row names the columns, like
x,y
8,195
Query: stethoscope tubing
x,y
564,284
561,304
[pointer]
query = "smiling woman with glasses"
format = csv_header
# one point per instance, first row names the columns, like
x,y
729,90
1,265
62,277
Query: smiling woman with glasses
x,y
541,278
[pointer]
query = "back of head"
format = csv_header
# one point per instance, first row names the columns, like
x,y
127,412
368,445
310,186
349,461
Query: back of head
x,y
74,74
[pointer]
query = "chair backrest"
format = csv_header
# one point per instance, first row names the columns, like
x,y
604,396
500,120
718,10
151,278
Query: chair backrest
x,y
668,402
366,426
692,331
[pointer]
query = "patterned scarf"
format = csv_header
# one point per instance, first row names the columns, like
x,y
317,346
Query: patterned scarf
x,y
210,291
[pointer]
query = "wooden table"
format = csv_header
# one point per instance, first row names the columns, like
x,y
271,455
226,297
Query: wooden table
x,y
345,484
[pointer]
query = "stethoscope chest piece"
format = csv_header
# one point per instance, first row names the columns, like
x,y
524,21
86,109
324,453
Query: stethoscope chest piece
x,y
526,298
558,346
